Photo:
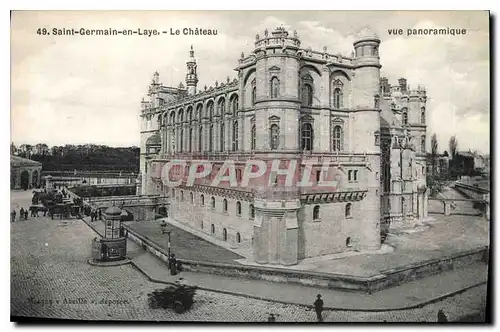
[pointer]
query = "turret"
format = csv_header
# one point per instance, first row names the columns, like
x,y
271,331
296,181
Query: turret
x,y
191,75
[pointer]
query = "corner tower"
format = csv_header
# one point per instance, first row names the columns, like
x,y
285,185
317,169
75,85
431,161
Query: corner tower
x,y
277,110
192,75
366,124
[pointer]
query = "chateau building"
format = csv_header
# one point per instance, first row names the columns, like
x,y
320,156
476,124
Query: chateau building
x,y
331,114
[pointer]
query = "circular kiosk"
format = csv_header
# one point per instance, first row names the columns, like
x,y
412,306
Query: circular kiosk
x,y
113,246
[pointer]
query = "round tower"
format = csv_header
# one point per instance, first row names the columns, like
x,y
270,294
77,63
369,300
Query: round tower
x,y
366,123
191,75
277,109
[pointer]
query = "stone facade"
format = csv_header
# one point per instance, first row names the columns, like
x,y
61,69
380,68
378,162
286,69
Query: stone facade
x,y
333,115
24,173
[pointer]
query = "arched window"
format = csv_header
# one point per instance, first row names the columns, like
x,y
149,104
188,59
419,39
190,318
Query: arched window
x,y
200,141
190,114
254,95
224,205
253,137
307,95
405,118
192,197
275,136
190,139
224,234
181,145
221,106
212,227
422,115
235,136
422,144
202,200
338,98
337,139
172,117
238,208
316,212
275,87
238,238
222,140
182,196
210,137
173,193
213,202
181,116
199,109
211,110
252,211
234,105
348,210
307,137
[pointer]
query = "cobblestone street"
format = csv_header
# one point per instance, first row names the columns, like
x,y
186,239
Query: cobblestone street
x,y
51,278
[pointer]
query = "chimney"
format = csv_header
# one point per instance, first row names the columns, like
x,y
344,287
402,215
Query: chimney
x,y
402,84
384,85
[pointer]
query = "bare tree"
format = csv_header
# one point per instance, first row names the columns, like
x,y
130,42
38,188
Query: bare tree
x,y
434,153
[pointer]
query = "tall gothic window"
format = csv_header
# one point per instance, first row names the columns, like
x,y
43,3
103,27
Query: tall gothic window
x,y
224,205
254,95
190,114
221,106
422,144
181,116
181,145
238,208
405,117
337,139
235,136
200,141
422,115
307,95
222,136
213,202
252,211
210,137
275,136
211,111
275,87
337,98
253,137
190,139
307,137
202,200
198,112
234,105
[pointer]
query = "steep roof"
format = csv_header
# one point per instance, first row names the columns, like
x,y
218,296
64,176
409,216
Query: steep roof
x,y
16,161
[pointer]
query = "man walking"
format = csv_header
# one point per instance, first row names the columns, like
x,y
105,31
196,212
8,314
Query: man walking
x,y
318,307
13,216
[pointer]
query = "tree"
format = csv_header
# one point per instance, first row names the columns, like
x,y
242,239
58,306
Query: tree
x,y
434,153
453,146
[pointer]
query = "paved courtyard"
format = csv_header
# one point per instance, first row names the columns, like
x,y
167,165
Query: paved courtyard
x,y
50,278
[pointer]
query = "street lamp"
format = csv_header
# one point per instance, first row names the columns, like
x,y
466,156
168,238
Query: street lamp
x,y
163,230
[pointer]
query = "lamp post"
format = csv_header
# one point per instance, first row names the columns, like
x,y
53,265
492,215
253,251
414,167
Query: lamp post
x,y
163,230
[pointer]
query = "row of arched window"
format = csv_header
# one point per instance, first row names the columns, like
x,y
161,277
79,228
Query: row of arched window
x,y
177,117
212,203
224,233
347,212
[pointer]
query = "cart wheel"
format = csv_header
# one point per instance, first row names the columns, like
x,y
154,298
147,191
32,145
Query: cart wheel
x,y
178,307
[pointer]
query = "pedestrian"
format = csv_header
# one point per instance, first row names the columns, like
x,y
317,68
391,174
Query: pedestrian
x,y
442,317
100,214
21,214
13,216
26,214
173,265
318,307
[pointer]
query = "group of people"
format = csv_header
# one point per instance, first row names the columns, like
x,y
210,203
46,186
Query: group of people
x,y
23,214
95,215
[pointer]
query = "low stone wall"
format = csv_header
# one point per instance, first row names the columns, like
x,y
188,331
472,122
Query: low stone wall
x,y
370,284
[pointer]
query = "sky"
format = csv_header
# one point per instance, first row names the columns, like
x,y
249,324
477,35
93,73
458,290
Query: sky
x,y
87,89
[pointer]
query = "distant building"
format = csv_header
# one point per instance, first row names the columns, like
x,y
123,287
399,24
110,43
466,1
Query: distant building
x,y
24,173
442,164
